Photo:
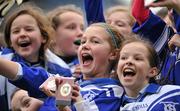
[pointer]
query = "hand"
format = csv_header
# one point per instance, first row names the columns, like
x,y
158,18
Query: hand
x,y
76,96
77,72
64,108
175,4
174,42
53,81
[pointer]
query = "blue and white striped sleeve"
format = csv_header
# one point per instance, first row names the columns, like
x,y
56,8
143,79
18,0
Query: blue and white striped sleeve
x,y
155,30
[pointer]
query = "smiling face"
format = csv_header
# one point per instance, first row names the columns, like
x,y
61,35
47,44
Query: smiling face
x,y
22,102
95,52
70,29
134,70
26,38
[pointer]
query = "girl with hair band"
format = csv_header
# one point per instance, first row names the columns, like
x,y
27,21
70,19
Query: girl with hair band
x,y
28,34
151,26
97,54
142,92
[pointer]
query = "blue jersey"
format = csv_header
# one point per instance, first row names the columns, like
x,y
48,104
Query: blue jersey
x,y
101,94
49,105
154,98
176,17
159,33
31,77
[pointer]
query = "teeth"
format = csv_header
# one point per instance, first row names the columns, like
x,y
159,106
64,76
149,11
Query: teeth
x,y
85,54
128,70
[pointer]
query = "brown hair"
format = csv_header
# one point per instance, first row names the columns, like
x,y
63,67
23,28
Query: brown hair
x,y
54,14
42,21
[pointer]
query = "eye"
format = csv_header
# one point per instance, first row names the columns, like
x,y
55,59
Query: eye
x,y
26,102
15,31
95,41
72,27
123,58
120,24
138,58
29,29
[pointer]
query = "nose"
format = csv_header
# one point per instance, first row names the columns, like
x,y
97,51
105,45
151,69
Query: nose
x,y
129,62
79,33
22,33
85,46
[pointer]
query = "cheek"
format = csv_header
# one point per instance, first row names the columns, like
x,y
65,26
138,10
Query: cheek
x,y
119,67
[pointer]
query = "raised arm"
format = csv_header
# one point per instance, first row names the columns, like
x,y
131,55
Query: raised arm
x,y
175,4
94,11
139,11
150,26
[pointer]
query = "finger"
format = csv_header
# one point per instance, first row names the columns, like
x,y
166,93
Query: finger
x,y
58,81
66,109
171,46
161,3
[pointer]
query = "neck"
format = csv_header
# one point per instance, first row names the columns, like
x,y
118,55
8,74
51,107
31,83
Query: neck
x,y
132,93
90,76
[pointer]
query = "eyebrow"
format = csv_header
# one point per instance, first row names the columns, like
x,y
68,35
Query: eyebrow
x,y
21,99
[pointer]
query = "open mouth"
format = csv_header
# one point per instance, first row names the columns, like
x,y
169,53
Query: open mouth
x,y
128,72
87,58
24,43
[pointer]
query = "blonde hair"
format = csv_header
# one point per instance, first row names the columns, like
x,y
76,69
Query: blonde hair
x,y
54,14
120,8
115,36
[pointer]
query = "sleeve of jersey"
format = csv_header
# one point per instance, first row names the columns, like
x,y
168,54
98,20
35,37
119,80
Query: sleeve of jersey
x,y
49,105
30,80
139,12
176,21
155,30
94,11
176,73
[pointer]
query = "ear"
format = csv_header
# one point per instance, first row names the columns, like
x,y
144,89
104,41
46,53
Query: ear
x,y
153,72
114,54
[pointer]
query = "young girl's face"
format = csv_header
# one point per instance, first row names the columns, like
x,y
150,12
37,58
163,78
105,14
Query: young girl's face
x,y
94,52
120,20
26,38
70,29
134,68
